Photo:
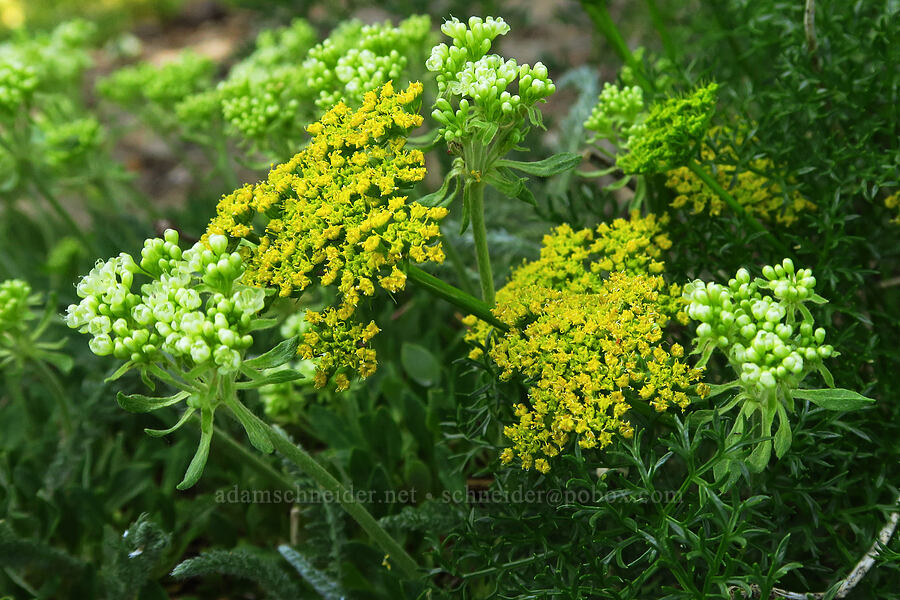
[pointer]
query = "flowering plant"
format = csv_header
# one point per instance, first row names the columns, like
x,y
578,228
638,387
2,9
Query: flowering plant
x,y
772,344
554,438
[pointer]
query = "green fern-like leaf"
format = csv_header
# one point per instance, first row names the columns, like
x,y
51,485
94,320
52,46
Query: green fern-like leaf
x,y
243,564
324,585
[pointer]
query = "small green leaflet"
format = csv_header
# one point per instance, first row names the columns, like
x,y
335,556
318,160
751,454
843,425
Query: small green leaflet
x,y
834,399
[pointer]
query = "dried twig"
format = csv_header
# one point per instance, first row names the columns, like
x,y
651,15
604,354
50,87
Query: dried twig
x,y
848,583
809,26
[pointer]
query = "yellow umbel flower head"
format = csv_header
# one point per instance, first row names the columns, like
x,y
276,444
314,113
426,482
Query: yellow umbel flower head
x,y
335,214
586,325
760,195
893,202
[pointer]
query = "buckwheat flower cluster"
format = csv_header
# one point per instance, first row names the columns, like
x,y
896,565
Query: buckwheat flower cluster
x,y
191,310
336,215
474,86
160,87
617,115
755,323
760,195
671,133
586,327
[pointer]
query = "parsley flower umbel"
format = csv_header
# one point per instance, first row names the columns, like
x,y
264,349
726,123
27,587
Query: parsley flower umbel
x,y
759,194
473,85
586,323
336,215
290,80
755,324
159,88
15,305
617,115
768,334
191,310
671,133
189,326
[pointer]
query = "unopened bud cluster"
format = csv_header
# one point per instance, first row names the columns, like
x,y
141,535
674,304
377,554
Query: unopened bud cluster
x,y
765,343
268,98
192,309
617,114
48,62
478,81
15,302
17,83
69,144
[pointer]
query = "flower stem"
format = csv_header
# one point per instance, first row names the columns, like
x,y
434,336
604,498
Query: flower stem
x,y
458,265
252,458
397,555
598,11
63,214
58,393
698,170
475,192
659,23
454,296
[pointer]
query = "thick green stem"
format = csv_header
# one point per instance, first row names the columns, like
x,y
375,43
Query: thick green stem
x,y
397,555
454,296
55,204
599,14
252,458
223,164
698,170
458,265
58,393
659,24
475,192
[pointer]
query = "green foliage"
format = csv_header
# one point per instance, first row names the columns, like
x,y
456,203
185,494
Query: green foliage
x,y
799,131
671,133
264,571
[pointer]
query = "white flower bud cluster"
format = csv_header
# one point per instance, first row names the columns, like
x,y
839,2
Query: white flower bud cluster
x,y
480,80
759,333
192,309
618,113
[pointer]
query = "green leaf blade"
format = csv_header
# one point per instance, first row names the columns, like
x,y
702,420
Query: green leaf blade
x,y
138,403
834,399
277,356
554,165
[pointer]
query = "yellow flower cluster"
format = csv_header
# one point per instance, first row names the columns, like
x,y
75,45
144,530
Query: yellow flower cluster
x,y
346,341
577,261
893,202
759,195
335,214
586,332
